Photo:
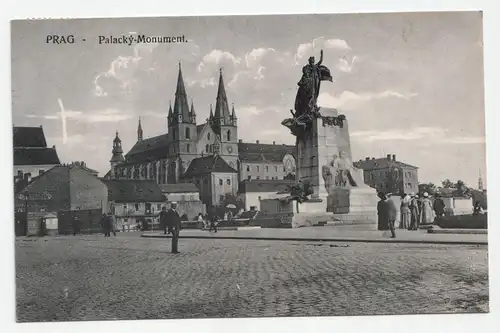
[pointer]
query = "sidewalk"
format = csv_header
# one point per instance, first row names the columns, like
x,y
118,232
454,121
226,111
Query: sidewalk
x,y
332,234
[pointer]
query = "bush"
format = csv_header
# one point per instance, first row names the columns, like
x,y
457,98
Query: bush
x,y
463,222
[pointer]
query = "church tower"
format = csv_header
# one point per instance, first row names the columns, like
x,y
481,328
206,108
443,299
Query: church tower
x,y
182,133
139,131
117,156
225,126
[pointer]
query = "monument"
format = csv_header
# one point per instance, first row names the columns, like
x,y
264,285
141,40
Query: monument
x,y
336,190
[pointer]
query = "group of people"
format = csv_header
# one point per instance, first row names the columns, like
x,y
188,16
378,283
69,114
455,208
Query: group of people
x,y
108,225
414,211
170,222
209,223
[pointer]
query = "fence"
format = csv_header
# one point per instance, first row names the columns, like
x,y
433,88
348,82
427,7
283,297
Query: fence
x,y
83,221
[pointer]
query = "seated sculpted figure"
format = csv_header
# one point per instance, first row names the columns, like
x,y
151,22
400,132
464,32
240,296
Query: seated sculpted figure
x,y
339,173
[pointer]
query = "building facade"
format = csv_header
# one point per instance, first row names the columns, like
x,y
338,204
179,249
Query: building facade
x,y
166,158
32,157
389,175
253,191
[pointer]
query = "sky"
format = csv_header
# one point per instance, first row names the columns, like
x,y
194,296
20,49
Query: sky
x,y
409,84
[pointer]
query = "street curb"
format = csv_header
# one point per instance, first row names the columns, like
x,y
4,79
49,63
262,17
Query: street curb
x,y
457,231
343,240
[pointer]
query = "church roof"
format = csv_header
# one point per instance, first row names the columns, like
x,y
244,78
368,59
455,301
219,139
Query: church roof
x,y
29,137
148,150
35,156
258,152
134,191
179,188
206,165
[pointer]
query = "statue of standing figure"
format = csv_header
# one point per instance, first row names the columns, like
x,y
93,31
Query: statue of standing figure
x,y
340,172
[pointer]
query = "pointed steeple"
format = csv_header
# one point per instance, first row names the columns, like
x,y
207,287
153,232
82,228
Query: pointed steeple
x,y
139,131
170,115
181,107
211,113
192,113
221,106
233,117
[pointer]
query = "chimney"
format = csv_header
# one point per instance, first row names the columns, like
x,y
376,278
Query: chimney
x,y
240,141
367,158
393,157
389,157
82,163
257,141
373,158
274,142
54,147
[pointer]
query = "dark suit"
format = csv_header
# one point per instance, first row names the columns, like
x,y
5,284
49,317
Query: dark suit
x,y
174,226
164,221
392,215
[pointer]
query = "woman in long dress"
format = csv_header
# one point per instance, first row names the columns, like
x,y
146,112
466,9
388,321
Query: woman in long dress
x,y
427,215
405,212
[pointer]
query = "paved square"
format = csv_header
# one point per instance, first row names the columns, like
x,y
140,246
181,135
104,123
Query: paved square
x,y
127,277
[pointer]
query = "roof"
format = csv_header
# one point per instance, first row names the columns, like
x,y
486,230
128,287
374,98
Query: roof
x,y
259,185
29,137
179,188
208,164
199,129
35,156
134,191
258,152
381,163
148,150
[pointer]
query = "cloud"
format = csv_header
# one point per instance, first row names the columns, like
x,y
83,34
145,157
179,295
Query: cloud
x,y
347,66
91,116
328,45
352,100
434,135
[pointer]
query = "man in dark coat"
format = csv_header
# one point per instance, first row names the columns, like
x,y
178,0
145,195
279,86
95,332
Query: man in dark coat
x,y
439,206
164,219
106,225
392,215
387,212
174,226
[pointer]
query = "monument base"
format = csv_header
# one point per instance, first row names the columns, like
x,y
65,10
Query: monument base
x,y
362,209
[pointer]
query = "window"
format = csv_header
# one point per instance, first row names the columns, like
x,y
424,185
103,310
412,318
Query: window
x,y
258,168
276,169
206,148
228,182
188,148
228,135
208,136
40,172
267,168
125,207
248,167
205,181
267,177
158,206
221,198
249,177
284,169
188,133
220,182
125,220
136,207
258,177
409,185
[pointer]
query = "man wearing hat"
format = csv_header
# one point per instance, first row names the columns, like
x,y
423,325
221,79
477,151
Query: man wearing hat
x,y
415,212
387,213
174,225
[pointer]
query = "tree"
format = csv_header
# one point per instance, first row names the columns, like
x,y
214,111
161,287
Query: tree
x,y
427,187
448,184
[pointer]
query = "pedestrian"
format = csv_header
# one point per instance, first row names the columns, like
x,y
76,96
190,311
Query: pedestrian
x,y
405,212
382,212
213,223
392,213
439,206
105,224
174,226
112,224
415,213
76,225
426,211
164,219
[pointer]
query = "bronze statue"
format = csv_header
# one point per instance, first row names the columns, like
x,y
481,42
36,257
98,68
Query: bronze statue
x,y
306,107
299,192
339,173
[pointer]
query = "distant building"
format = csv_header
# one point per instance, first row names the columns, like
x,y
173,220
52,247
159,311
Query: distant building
x,y
213,177
167,157
131,201
84,166
252,191
32,157
62,188
389,175
187,197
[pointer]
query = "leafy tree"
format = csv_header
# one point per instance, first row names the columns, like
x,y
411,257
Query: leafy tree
x,y
427,187
448,184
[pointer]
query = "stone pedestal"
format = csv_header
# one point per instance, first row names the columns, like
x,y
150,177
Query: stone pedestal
x,y
316,149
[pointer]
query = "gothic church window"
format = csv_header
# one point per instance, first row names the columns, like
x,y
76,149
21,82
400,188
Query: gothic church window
x,y
188,148
208,136
228,135
188,133
248,168
206,148
220,182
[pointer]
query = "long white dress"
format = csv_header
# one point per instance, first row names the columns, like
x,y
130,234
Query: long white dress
x,y
427,213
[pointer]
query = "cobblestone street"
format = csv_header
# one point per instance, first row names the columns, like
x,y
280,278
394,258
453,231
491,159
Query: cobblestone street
x,y
128,277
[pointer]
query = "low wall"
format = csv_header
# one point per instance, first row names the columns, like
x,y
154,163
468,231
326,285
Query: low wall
x,y
463,222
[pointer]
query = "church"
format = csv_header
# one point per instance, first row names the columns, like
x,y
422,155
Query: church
x,y
210,154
